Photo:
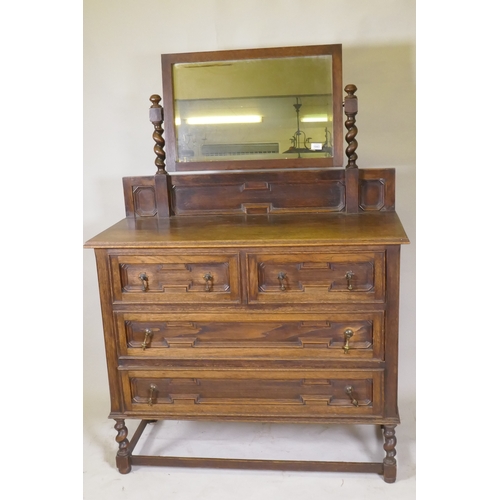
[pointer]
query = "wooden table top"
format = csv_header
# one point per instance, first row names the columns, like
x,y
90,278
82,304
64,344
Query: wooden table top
x,y
253,230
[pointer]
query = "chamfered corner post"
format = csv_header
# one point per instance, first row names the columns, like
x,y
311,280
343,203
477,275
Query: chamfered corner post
x,y
351,172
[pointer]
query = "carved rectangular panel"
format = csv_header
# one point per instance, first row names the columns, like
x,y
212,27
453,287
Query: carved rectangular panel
x,y
257,193
140,196
285,277
377,189
175,278
344,336
292,393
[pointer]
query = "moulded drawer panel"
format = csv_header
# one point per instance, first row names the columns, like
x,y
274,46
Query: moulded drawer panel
x,y
345,336
227,393
176,278
316,277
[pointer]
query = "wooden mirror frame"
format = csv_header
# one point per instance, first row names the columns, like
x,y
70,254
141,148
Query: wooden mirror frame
x,y
168,60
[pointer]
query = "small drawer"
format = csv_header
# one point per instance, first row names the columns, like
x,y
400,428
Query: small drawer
x,y
176,278
316,277
293,336
253,393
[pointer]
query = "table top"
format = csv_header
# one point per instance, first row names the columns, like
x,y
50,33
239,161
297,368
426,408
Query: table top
x,y
369,228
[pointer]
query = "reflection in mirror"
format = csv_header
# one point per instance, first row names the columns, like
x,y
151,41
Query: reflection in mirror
x,y
254,109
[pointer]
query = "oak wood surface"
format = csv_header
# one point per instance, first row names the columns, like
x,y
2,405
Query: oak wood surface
x,y
273,336
260,192
254,230
278,465
257,295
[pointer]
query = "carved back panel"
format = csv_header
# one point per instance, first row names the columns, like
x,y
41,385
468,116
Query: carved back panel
x,y
257,193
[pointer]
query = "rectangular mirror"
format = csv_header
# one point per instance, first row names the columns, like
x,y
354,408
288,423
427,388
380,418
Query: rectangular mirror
x,y
253,109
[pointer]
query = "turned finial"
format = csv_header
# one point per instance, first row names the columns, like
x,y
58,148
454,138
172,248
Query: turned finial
x,y
350,110
350,88
156,118
155,99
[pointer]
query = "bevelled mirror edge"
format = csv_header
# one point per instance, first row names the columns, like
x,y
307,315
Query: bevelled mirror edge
x,y
182,157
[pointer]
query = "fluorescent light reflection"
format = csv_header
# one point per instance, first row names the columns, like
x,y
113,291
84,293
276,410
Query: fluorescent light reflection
x,y
218,120
314,119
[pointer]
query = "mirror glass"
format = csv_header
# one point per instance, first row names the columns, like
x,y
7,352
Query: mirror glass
x,y
253,109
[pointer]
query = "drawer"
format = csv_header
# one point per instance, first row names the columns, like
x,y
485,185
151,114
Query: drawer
x,y
176,278
316,277
254,393
306,336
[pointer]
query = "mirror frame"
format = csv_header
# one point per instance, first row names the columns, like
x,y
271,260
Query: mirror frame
x,y
169,60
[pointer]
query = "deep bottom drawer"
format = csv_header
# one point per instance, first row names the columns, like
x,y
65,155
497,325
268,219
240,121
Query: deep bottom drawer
x,y
291,393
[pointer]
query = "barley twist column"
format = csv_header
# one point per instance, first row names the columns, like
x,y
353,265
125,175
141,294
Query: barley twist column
x,y
389,462
156,118
350,110
123,455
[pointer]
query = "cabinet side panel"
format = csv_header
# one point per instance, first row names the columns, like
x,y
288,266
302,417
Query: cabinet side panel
x,y
110,338
391,330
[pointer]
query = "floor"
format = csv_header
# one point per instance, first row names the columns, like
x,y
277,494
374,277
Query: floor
x,y
238,440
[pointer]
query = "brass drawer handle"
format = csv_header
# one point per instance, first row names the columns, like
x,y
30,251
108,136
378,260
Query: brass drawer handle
x,y
348,277
347,335
147,337
349,392
152,390
209,282
144,278
281,279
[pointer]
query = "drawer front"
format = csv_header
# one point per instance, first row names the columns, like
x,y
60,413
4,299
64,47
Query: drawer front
x,y
254,393
316,277
176,278
305,336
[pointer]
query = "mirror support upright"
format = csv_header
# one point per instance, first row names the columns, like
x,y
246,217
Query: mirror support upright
x,y
351,171
162,179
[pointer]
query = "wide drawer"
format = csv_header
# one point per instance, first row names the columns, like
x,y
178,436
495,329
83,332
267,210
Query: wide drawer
x,y
176,278
310,336
237,393
316,277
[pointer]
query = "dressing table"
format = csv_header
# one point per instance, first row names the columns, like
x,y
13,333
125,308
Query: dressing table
x,y
255,276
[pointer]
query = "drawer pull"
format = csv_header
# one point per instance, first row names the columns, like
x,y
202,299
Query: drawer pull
x,y
147,337
152,390
347,335
348,277
349,392
209,282
281,279
144,278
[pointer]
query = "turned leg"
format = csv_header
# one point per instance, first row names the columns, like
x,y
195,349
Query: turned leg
x,y
389,462
123,455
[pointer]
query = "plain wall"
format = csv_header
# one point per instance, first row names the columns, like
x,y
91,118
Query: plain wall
x,y
123,41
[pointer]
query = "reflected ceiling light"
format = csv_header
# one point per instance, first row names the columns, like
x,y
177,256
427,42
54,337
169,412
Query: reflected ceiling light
x,y
217,120
314,119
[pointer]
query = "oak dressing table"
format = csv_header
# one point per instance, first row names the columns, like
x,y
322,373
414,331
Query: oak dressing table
x,y
255,277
